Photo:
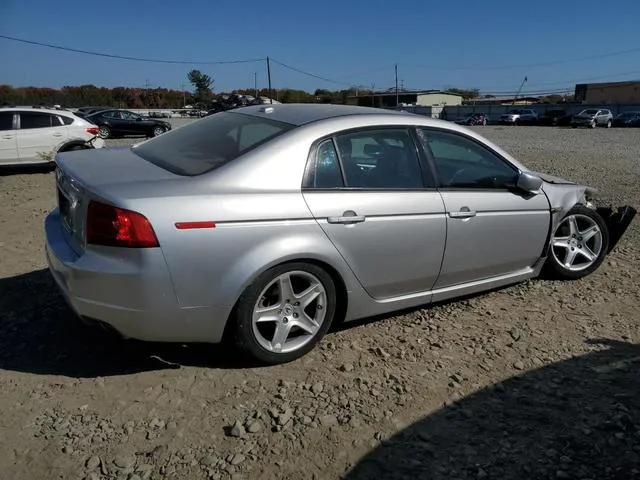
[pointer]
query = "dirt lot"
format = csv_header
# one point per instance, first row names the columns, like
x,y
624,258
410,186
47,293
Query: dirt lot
x,y
533,381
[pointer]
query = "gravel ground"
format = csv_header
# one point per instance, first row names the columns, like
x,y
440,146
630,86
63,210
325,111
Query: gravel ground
x,y
532,381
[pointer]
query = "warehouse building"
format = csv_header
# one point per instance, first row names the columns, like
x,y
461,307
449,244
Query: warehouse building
x,y
609,92
428,98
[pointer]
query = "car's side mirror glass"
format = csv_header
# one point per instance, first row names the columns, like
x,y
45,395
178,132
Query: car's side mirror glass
x,y
529,182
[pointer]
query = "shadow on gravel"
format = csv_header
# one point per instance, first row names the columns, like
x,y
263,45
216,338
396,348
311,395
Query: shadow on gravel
x,y
40,334
5,171
575,419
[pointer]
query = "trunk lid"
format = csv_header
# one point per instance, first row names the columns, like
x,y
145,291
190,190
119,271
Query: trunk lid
x,y
114,175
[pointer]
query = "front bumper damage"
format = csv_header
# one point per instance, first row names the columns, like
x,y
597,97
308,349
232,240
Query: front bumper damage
x,y
617,221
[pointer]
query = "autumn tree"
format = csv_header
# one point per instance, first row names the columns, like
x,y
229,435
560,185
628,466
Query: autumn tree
x,y
202,85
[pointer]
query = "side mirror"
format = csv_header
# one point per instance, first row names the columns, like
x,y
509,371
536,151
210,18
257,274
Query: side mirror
x,y
529,182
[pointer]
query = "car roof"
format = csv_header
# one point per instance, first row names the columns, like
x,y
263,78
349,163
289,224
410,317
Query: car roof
x,y
37,110
303,113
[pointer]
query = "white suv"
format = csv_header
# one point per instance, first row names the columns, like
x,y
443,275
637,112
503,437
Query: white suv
x,y
37,135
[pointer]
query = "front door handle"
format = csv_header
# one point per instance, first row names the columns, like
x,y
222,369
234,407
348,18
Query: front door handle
x,y
347,217
464,212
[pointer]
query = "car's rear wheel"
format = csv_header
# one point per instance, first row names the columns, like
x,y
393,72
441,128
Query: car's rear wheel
x,y
284,313
579,244
104,132
157,131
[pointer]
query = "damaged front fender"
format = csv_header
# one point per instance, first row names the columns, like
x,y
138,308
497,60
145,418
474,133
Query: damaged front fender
x,y
563,196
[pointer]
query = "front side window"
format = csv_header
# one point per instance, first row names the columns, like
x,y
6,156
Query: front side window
x,y
6,121
209,143
29,120
380,159
463,163
129,116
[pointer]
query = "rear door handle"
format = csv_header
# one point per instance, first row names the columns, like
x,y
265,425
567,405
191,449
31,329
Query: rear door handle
x,y
7,137
464,212
347,217
57,134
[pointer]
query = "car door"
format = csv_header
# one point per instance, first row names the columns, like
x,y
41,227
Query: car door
x,y
492,229
38,136
118,122
132,123
8,138
375,201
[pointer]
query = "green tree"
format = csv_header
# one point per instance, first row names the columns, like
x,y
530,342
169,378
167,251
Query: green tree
x,y
202,84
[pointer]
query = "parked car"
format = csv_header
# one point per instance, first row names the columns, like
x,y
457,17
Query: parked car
x,y
474,119
116,122
34,136
518,116
627,119
266,224
593,117
555,118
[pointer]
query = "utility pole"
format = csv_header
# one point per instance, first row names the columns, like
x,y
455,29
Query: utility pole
x,y
146,93
519,90
269,78
184,95
397,95
255,83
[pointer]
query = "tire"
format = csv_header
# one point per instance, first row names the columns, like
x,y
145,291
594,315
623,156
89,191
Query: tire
x,y
593,124
104,132
569,241
256,339
157,131
609,123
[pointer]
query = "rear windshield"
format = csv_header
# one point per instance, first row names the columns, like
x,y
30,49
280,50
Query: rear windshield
x,y
209,143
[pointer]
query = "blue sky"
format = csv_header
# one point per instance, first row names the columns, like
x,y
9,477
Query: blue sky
x,y
435,43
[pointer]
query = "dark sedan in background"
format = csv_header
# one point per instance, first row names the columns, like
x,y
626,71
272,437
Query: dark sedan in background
x,y
555,118
627,119
116,122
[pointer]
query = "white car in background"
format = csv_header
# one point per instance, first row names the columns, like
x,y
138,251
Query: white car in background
x,y
35,136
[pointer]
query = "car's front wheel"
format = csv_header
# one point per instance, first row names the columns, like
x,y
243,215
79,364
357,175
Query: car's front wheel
x,y
284,313
579,244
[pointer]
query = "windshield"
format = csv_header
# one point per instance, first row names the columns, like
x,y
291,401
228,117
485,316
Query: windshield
x,y
207,144
589,112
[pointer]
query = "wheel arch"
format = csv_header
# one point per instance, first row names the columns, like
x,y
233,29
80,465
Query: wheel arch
x,y
342,297
72,143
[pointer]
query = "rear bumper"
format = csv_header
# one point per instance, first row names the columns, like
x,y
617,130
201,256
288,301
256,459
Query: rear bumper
x,y
617,221
131,292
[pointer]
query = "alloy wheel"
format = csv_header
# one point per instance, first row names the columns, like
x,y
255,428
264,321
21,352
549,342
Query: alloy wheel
x,y
577,242
290,311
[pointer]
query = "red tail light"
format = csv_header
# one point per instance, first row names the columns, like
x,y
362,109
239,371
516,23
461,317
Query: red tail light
x,y
92,130
116,227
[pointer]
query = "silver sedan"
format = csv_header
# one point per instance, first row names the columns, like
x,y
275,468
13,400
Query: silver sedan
x,y
266,224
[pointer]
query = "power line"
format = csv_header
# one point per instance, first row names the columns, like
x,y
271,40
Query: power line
x,y
309,74
124,57
530,65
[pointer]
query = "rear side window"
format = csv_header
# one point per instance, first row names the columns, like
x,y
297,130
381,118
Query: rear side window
x,y
209,143
65,120
30,120
6,121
